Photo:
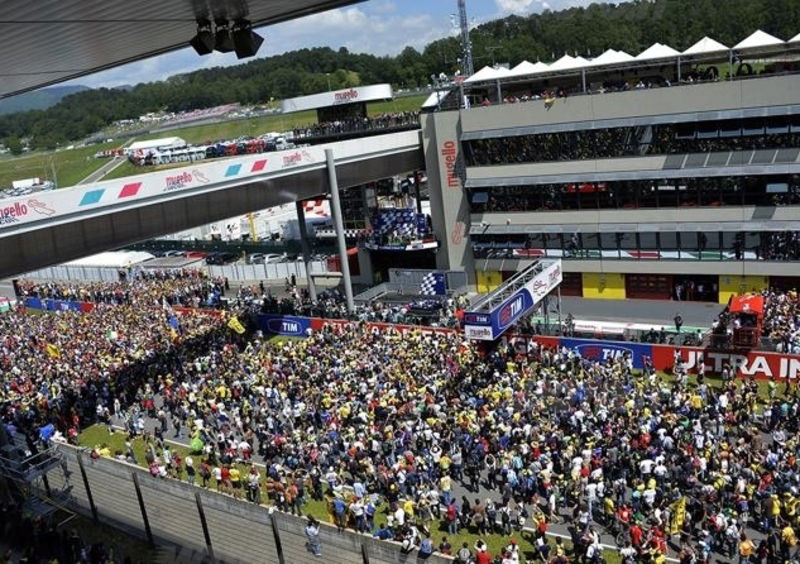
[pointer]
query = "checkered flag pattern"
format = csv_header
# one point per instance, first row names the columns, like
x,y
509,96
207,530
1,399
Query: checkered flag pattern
x,y
402,223
433,284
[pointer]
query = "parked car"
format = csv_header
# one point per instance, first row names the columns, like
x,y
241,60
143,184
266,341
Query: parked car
x,y
227,257
221,257
196,254
264,258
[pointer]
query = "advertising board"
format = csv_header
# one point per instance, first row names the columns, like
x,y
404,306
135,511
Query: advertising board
x,y
513,308
284,325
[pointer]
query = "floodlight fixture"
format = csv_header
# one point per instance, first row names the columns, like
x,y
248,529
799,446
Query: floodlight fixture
x,y
203,42
223,42
246,41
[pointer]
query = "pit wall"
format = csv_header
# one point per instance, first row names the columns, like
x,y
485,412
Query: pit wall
x,y
619,286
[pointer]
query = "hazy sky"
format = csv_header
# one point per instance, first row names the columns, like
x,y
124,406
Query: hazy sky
x,y
380,27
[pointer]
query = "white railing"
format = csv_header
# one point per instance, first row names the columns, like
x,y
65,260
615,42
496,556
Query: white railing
x,y
273,271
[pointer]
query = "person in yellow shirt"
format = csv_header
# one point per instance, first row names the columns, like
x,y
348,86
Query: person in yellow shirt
x,y
408,507
788,542
236,481
746,549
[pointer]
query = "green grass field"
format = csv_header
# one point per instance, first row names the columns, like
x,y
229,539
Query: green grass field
x,y
98,436
74,165
277,122
70,166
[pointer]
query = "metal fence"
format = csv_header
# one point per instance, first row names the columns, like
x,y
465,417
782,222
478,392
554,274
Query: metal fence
x,y
233,272
78,273
273,271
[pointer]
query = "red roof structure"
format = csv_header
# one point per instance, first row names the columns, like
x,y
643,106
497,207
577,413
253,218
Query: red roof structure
x,y
752,304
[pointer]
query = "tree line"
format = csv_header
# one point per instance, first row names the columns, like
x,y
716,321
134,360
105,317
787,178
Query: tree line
x,y
631,27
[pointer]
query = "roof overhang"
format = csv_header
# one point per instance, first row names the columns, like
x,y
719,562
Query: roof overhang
x,y
355,95
51,41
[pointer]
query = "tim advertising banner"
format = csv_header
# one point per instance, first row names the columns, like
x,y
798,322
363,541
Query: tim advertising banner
x,y
284,325
603,351
755,364
488,326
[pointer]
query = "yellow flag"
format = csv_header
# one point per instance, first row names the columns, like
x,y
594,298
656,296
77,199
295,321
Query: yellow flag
x,y
236,325
53,351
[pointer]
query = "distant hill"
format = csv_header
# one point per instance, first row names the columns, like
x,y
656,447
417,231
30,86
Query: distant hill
x,y
39,99
630,26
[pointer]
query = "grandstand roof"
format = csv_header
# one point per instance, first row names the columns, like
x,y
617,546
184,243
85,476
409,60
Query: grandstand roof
x,y
51,41
526,67
568,62
354,95
611,57
706,45
657,51
489,73
758,42
758,39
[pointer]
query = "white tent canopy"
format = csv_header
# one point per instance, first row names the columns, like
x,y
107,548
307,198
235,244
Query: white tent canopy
x,y
758,39
113,259
162,143
610,57
489,73
657,51
434,99
502,72
704,46
568,62
526,68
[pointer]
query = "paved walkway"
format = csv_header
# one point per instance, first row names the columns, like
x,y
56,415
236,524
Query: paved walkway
x,y
658,312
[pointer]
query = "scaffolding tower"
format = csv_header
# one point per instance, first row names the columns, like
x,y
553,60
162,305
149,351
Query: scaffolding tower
x,y
25,463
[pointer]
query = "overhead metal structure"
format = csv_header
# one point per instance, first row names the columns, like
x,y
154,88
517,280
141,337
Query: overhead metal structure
x,y
51,41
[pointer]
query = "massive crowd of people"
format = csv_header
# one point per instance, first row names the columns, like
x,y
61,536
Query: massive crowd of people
x,y
619,142
394,431
780,326
331,304
391,120
192,288
782,320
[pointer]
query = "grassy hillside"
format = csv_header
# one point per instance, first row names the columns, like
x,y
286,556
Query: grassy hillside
x,y
253,127
70,166
74,165
278,122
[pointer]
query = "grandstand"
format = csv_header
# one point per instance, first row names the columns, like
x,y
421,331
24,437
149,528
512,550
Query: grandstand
x,y
665,175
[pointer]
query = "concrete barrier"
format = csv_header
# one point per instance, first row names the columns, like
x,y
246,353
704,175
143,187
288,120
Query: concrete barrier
x,y
235,531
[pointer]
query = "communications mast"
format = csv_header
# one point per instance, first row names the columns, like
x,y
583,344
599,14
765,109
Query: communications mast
x,y
466,44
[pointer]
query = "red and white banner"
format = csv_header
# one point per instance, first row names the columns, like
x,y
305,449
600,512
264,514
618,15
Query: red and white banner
x,y
748,364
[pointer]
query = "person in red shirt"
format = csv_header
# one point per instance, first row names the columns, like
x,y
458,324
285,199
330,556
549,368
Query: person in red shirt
x,y
483,557
636,535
